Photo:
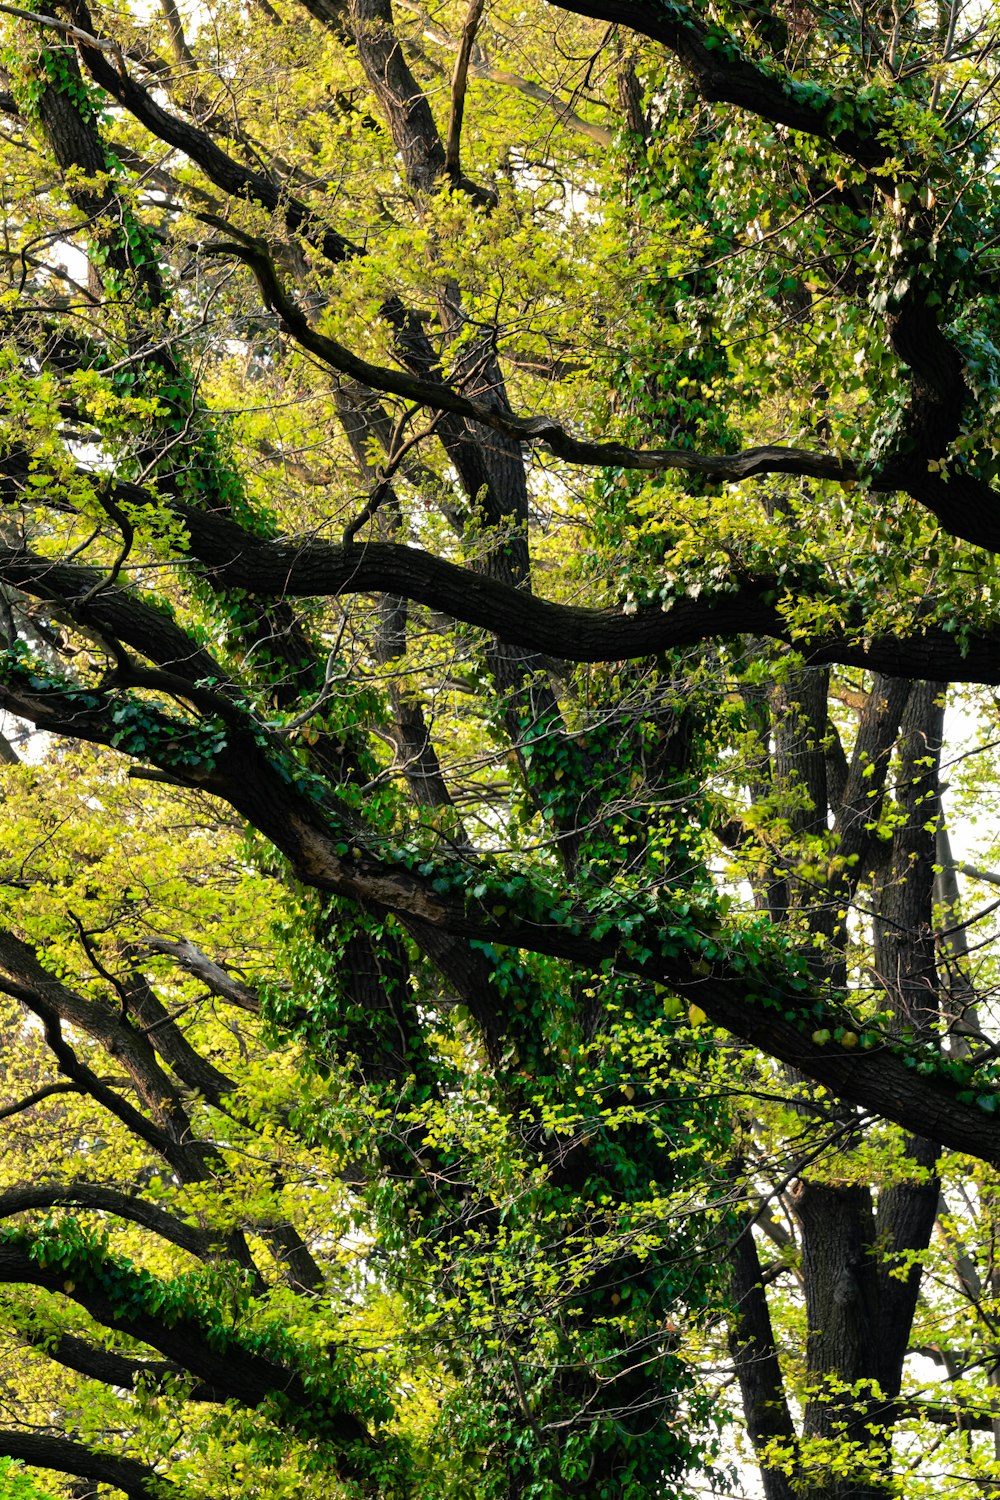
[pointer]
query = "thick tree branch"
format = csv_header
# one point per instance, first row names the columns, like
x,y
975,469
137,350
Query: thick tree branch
x,y
68,1457
459,83
110,1368
760,1005
169,1041
111,612
723,74
441,397
566,632
864,785
223,1365
290,568
99,1198
754,999
229,175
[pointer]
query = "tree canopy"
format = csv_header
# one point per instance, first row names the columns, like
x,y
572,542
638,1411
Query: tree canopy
x,y
499,631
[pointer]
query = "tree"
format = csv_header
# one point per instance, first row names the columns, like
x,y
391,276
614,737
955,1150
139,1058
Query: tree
x,y
479,884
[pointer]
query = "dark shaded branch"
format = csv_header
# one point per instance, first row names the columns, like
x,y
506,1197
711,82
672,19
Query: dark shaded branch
x,y
300,1269
226,1366
441,397
755,1356
226,173
236,558
561,631
904,1222
864,784
168,1133
37,1097
171,1044
113,613
98,1198
722,74
68,1457
755,999
964,505
459,83
110,1368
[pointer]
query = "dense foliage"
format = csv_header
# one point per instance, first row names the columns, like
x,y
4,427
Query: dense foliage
x,y
500,629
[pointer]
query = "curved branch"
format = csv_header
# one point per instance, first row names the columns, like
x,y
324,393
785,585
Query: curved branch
x,y
138,1481
723,74
37,1097
965,505
109,1368
53,23
762,1005
236,558
720,467
221,1363
106,1200
226,173
567,632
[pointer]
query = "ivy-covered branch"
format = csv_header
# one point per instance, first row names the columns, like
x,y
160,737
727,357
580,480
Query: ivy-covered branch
x,y
180,1322
234,558
724,74
740,980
